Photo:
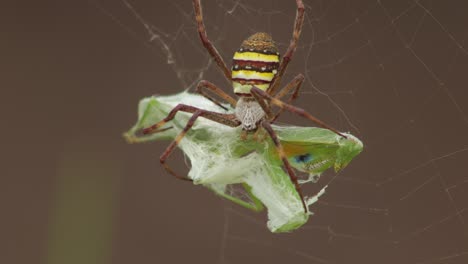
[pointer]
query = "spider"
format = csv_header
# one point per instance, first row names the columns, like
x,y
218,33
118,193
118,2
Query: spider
x,y
255,75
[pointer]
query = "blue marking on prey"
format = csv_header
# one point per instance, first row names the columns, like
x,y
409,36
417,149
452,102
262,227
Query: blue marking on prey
x,y
303,158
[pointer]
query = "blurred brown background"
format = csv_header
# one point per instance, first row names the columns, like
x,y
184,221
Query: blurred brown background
x,y
394,73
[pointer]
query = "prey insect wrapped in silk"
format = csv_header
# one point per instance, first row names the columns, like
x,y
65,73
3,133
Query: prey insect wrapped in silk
x,y
248,172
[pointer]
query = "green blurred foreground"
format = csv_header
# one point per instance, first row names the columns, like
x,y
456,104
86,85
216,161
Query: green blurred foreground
x,y
81,220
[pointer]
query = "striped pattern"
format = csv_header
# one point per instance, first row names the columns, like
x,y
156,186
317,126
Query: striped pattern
x,y
256,56
253,75
255,63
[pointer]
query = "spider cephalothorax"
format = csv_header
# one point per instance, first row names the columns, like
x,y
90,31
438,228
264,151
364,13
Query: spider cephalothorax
x,y
249,112
255,75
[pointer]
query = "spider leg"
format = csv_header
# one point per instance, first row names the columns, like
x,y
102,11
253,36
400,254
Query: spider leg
x,y
225,119
266,108
207,43
216,90
291,49
174,143
197,112
295,85
279,149
258,93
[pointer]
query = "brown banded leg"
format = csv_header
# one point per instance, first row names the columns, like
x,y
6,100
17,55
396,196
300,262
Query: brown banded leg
x,y
295,85
220,118
174,143
225,119
279,149
206,42
266,108
214,89
291,49
258,93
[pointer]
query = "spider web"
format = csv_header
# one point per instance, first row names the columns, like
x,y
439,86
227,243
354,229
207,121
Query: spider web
x,y
391,72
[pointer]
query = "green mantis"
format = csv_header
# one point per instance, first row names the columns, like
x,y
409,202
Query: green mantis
x,y
227,165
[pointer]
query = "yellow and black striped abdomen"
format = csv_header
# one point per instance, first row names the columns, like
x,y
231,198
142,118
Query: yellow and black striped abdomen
x,y
255,63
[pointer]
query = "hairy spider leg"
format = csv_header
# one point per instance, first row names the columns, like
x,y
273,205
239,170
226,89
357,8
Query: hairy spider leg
x,y
279,149
295,84
174,143
225,119
261,95
202,85
206,41
299,21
